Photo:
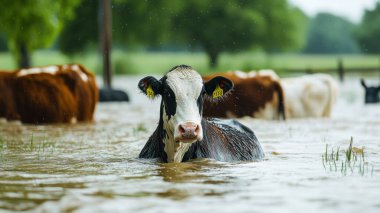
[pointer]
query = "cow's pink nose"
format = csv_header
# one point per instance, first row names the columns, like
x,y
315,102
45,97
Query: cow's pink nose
x,y
189,130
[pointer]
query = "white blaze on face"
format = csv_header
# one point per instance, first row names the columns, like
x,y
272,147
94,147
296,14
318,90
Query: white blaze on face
x,y
174,150
50,70
187,86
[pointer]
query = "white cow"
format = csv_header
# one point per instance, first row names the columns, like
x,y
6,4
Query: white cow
x,y
310,95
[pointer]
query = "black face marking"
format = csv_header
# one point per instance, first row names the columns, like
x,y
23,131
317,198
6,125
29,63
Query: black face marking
x,y
200,101
168,99
170,102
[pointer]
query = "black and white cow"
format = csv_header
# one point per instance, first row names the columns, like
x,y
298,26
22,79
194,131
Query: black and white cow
x,y
182,134
372,93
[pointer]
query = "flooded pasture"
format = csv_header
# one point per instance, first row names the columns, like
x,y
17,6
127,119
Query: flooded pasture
x,y
94,167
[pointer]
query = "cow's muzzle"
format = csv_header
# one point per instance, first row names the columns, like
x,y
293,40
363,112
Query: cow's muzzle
x,y
189,132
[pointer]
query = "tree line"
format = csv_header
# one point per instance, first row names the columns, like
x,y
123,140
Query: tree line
x,y
212,26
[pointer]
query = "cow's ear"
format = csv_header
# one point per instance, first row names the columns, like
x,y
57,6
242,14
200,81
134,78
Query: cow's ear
x,y
218,86
363,83
150,86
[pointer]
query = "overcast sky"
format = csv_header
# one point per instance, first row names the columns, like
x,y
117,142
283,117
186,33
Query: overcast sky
x,y
352,9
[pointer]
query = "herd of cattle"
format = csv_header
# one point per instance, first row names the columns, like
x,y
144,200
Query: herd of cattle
x,y
191,105
69,93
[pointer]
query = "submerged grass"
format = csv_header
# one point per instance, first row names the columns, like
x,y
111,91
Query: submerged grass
x,y
140,128
352,160
2,144
40,146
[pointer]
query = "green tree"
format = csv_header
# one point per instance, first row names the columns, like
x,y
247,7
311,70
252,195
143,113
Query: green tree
x,y
214,25
300,29
82,30
3,43
331,34
146,22
368,33
134,22
33,24
234,25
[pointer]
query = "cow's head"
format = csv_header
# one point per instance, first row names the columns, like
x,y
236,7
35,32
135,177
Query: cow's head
x,y
182,91
372,94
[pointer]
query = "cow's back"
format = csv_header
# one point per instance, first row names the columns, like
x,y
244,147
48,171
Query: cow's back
x,y
228,140
53,94
82,85
41,98
310,95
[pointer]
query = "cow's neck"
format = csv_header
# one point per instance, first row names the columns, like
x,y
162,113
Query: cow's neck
x,y
174,150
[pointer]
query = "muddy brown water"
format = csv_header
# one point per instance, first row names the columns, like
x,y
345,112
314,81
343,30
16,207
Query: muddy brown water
x,y
94,167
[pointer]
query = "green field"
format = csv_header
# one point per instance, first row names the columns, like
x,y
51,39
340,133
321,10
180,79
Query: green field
x,y
159,62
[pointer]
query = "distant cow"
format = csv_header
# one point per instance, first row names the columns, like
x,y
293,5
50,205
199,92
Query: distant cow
x,y
182,134
53,94
112,95
310,95
372,93
255,94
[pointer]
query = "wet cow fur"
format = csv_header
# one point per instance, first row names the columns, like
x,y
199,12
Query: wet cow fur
x,y
54,94
254,94
222,140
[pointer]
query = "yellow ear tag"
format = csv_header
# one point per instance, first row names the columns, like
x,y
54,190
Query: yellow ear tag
x,y
150,92
218,92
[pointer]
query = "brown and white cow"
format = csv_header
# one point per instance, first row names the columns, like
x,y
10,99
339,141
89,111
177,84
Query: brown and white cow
x,y
182,134
255,94
310,95
52,94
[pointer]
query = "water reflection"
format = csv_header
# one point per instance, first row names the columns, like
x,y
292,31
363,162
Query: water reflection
x,y
199,170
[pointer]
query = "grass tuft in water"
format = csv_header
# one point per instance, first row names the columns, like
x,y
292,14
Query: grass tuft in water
x,y
38,146
353,162
139,128
41,145
2,145
32,142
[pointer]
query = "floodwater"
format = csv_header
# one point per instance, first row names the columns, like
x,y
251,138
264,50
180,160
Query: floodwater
x,y
94,167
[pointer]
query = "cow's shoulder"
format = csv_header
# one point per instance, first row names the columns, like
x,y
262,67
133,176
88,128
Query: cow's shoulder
x,y
228,140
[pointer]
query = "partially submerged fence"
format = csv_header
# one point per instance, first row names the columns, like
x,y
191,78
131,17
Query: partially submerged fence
x,y
340,70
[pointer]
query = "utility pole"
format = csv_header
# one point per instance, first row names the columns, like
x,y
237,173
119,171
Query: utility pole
x,y
105,34
340,70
